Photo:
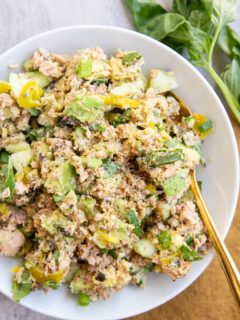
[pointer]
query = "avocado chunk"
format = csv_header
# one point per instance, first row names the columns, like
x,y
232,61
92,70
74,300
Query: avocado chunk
x,y
21,159
20,146
174,185
162,81
18,80
65,181
84,108
56,221
87,204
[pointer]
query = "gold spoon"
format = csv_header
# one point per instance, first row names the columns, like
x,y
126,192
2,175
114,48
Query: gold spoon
x,y
226,260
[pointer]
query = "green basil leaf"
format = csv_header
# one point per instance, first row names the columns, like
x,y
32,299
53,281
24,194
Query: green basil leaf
x,y
231,78
22,289
224,12
229,42
159,27
200,19
143,11
185,7
199,45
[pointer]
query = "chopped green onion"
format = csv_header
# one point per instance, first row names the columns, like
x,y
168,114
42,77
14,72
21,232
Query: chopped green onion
x,y
189,254
101,129
164,238
161,157
58,198
131,58
83,299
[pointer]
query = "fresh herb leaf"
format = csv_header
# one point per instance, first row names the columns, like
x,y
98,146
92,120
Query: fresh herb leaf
x,y
190,242
149,267
166,23
229,42
111,252
164,238
132,219
99,81
116,117
110,168
143,11
198,26
22,289
4,157
231,78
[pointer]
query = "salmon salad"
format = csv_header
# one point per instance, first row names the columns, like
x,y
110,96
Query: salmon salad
x,y
95,163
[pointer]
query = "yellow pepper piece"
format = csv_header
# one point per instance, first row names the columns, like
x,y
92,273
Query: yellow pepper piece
x,y
202,126
15,269
106,237
166,260
151,125
22,176
151,188
4,87
42,277
30,95
121,102
4,210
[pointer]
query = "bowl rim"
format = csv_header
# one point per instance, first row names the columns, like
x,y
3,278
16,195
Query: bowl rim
x,y
232,209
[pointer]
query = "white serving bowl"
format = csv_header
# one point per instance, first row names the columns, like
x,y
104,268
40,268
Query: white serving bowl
x,y
220,177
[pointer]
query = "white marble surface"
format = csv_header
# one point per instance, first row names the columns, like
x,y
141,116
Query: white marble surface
x,y
20,19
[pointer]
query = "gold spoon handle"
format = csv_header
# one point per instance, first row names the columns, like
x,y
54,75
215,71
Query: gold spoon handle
x,y
227,262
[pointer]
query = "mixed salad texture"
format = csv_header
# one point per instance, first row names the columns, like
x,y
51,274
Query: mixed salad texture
x,y
95,165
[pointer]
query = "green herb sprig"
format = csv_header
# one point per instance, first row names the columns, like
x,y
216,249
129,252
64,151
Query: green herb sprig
x,y
200,27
